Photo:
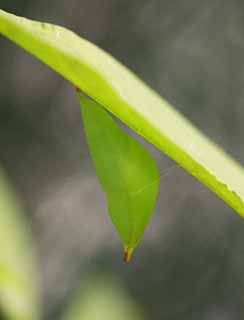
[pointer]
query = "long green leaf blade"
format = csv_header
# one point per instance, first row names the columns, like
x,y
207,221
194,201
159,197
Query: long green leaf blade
x,y
116,88
18,287
126,170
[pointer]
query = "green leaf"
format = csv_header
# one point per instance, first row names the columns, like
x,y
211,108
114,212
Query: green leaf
x,y
117,89
18,281
126,170
102,298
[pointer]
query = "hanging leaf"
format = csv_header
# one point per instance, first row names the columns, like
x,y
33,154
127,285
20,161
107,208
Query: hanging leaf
x,y
126,170
18,281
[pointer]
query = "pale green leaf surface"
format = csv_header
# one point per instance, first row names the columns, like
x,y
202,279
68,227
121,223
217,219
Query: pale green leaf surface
x,y
126,170
18,281
116,88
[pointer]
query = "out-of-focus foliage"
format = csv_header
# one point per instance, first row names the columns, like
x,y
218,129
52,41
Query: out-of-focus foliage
x,y
103,298
18,280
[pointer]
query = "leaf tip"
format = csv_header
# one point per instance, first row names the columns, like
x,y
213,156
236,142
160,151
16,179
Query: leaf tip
x,y
128,254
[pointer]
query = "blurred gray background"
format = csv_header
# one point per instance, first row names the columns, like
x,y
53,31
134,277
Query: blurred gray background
x,y
190,263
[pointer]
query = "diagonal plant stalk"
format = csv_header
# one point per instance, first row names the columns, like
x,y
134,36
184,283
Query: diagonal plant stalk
x,y
118,90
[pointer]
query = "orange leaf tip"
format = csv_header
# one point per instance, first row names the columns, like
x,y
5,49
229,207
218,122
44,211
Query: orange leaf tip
x,y
128,254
